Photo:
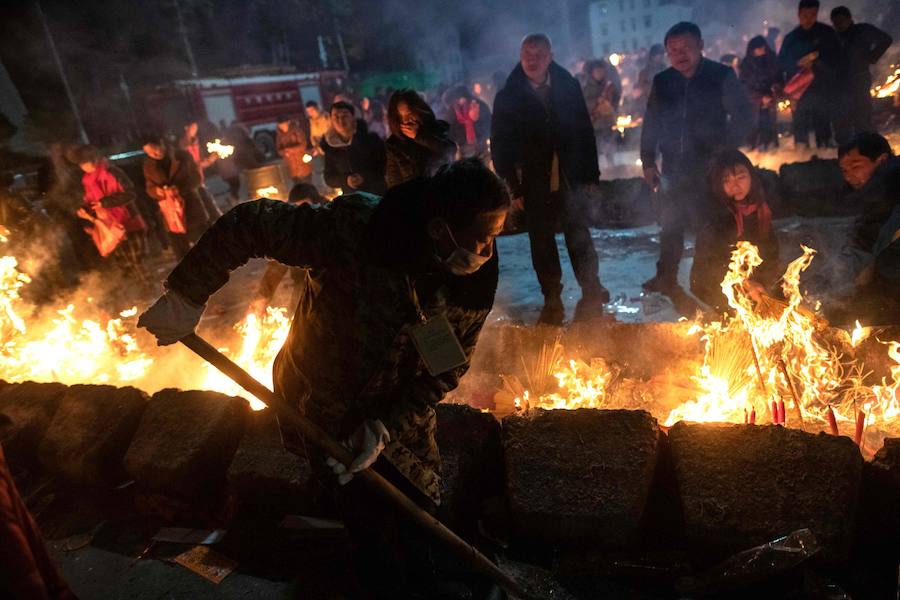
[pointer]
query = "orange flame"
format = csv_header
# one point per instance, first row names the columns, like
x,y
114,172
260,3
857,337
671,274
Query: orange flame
x,y
267,192
70,348
889,87
217,147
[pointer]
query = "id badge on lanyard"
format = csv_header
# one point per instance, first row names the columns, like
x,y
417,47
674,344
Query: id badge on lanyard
x,y
435,340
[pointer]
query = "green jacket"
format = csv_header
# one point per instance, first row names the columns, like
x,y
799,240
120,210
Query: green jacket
x,y
349,355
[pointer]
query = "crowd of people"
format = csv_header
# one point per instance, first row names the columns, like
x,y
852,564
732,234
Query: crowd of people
x,y
543,140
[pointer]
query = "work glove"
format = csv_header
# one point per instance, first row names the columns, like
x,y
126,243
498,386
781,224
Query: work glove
x,y
368,442
171,318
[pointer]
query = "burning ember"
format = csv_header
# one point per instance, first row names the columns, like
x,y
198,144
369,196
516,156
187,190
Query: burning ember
x,y
267,192
784,105
217,147
859,334
78,343
624,122
889,87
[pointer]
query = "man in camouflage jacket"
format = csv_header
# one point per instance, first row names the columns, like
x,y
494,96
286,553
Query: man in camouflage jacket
x,y
349,356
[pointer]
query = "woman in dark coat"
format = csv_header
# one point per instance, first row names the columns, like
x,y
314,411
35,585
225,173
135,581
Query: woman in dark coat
x,y
418,143
759,72
738,209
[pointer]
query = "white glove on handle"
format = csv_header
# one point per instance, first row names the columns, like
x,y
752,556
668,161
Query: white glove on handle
x,y
171,318
368,441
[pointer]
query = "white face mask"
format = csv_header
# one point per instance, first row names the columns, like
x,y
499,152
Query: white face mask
x,y
461,261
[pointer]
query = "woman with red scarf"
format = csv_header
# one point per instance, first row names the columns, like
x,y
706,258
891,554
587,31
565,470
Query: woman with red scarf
x,y
109,205
738,209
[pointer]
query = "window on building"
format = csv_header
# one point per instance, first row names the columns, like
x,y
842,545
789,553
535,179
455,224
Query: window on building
x,y
604,31
633,24
634,45
647,3
606,49
648,20
624,27
621,6
631,4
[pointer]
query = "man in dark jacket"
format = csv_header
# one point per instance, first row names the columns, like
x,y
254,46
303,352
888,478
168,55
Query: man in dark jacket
x,y
354,158
871,257
190,143
696,108
381,272
542,143
167,167
862,45
812,45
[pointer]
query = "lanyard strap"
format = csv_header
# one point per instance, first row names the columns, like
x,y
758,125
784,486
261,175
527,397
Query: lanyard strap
x,y
414,296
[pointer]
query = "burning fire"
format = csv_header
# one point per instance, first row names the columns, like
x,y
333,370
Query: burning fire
x,y
64,348
217,147
783,338
578,385
557,383
784,105
889,87
767,363
307,158
267,192
71,348
261,339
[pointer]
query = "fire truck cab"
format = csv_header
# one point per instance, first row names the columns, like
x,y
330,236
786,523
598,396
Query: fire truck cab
x,y
252,99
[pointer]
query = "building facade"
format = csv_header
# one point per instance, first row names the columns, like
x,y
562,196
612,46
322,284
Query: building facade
x,y
623,26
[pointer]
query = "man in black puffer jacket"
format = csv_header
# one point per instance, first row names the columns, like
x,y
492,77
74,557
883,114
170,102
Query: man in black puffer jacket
x,y
696,108
543,145
354,158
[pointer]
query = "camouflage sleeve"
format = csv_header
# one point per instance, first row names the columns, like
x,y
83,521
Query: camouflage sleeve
x,y
302,236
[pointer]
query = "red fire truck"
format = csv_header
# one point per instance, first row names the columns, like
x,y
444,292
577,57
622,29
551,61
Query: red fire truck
x,y
253,98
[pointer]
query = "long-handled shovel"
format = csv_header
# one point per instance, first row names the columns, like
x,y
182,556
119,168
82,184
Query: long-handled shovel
x,y
314,435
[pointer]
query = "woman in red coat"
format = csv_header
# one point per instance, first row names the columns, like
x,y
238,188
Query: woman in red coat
x,y
116,227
